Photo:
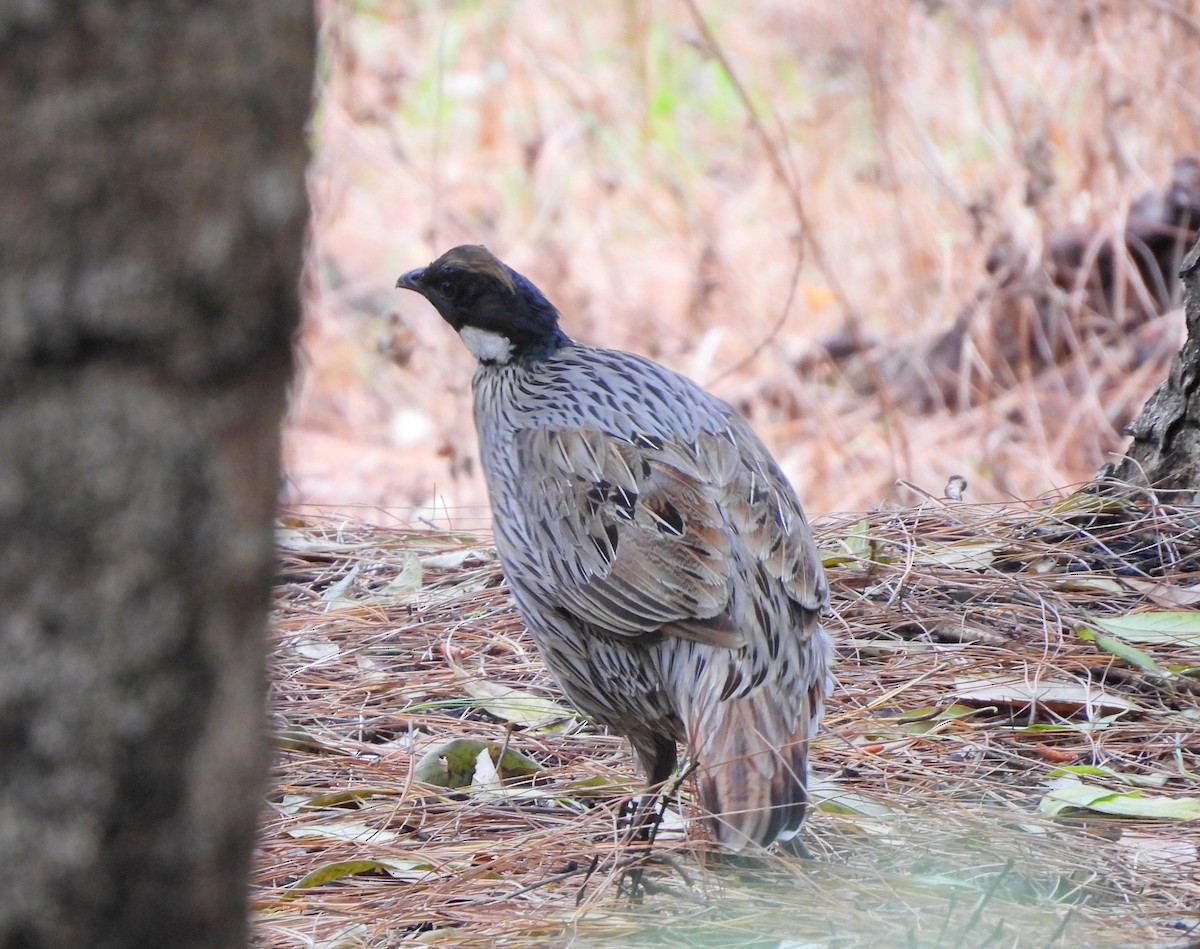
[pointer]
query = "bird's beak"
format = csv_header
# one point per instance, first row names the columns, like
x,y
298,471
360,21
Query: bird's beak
x,y
411,280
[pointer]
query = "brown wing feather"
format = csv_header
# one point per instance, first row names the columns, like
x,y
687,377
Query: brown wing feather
x,y
650,525
645,519
763,511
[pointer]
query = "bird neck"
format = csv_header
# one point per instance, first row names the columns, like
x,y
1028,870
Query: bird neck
x,y
548,346
497,349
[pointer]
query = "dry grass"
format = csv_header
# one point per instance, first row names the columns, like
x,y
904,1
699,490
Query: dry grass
x,y
880,151
928,834
722,206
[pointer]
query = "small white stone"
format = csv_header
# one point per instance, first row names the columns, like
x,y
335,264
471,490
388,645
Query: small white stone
x,y
486,345
409,426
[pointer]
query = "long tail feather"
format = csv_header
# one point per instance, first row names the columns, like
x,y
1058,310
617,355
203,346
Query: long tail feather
x,y
753,766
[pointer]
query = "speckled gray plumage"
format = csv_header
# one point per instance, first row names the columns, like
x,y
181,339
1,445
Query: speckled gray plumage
x,y
654,549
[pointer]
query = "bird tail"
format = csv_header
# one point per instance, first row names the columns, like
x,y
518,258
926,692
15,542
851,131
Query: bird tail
x,y
752,764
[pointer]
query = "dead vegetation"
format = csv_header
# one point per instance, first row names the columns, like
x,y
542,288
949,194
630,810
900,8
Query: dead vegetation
x,y
725,186
1076,317
974,662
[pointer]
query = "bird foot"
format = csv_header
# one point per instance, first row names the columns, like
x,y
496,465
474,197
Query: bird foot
x,y
635,878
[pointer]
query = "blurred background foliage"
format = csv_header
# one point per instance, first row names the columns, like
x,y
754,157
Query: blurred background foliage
x,y
849,219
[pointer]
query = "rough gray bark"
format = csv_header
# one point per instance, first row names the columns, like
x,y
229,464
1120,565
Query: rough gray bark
x,y
150,248
1165,451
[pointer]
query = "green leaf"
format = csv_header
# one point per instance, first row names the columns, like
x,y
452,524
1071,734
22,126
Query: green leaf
x,y
337,596
1085,583
407,582
855,548
347,796
507,704
1081,502
1174,627
1138,780
296,738
405,869
932,713
962,555
828,796
1096,724
1184,769
1076,794
597,784
513,705
930,717
452,763
1130,654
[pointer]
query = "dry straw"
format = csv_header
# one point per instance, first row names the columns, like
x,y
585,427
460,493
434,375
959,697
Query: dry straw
x,y
963,683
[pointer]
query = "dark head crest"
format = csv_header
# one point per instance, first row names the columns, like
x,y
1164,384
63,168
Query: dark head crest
x,y
499,314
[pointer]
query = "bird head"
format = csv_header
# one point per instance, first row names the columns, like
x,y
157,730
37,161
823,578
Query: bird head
x,y
499,314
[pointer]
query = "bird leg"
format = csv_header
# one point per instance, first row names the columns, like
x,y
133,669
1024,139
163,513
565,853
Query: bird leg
x,y
662,798
658,756
643,831
645,814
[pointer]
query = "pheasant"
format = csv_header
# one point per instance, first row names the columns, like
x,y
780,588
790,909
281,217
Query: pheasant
x,y
656,552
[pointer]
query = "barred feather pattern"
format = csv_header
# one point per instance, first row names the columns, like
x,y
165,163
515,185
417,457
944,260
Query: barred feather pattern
x,y
666,571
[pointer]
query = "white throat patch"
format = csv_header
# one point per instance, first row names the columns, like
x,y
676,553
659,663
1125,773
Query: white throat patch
x,y
485,345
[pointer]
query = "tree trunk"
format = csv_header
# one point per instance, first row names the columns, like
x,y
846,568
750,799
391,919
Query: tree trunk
x,y
1165,452
150,248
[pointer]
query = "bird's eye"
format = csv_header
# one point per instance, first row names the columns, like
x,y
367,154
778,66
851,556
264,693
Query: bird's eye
x,y
445,285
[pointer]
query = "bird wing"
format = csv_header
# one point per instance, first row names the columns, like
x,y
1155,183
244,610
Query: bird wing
x,y
643,532
765,514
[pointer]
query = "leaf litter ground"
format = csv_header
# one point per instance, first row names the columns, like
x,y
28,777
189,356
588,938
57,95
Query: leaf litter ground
x,y
1011,756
